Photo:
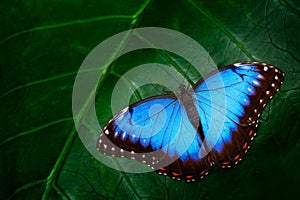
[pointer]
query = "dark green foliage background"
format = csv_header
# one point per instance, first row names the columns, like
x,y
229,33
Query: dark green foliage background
x,y
42,45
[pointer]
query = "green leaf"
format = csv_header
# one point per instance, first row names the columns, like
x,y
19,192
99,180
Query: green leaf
x,y
42,46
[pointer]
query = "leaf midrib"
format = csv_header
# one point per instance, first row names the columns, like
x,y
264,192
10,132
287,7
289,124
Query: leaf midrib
x,y
55,171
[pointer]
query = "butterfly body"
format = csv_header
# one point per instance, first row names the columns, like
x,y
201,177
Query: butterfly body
x,y
187,99
184,135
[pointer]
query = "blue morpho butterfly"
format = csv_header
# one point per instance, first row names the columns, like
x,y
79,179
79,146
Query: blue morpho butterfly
x,y
180,131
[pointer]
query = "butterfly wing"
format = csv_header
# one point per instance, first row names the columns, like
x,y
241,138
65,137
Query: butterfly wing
x,y
230,108
156,131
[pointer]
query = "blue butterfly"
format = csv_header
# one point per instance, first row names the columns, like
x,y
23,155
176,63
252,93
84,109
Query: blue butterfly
x,y
185,135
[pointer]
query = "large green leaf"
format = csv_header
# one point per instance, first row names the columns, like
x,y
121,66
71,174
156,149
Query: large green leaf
x,y
43,44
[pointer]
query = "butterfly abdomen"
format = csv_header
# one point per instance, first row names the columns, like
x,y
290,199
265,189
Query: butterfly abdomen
x,y
187,102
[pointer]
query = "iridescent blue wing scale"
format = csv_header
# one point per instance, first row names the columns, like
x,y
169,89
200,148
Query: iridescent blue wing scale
x,y
128,127
160,125
246,88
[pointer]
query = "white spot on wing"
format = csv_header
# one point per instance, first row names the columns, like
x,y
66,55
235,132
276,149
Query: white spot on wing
x,y
116,134
255,82
123,135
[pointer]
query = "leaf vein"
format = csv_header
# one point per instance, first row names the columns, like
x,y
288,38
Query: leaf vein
x,y
35,129
223,29
65,24
27,186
